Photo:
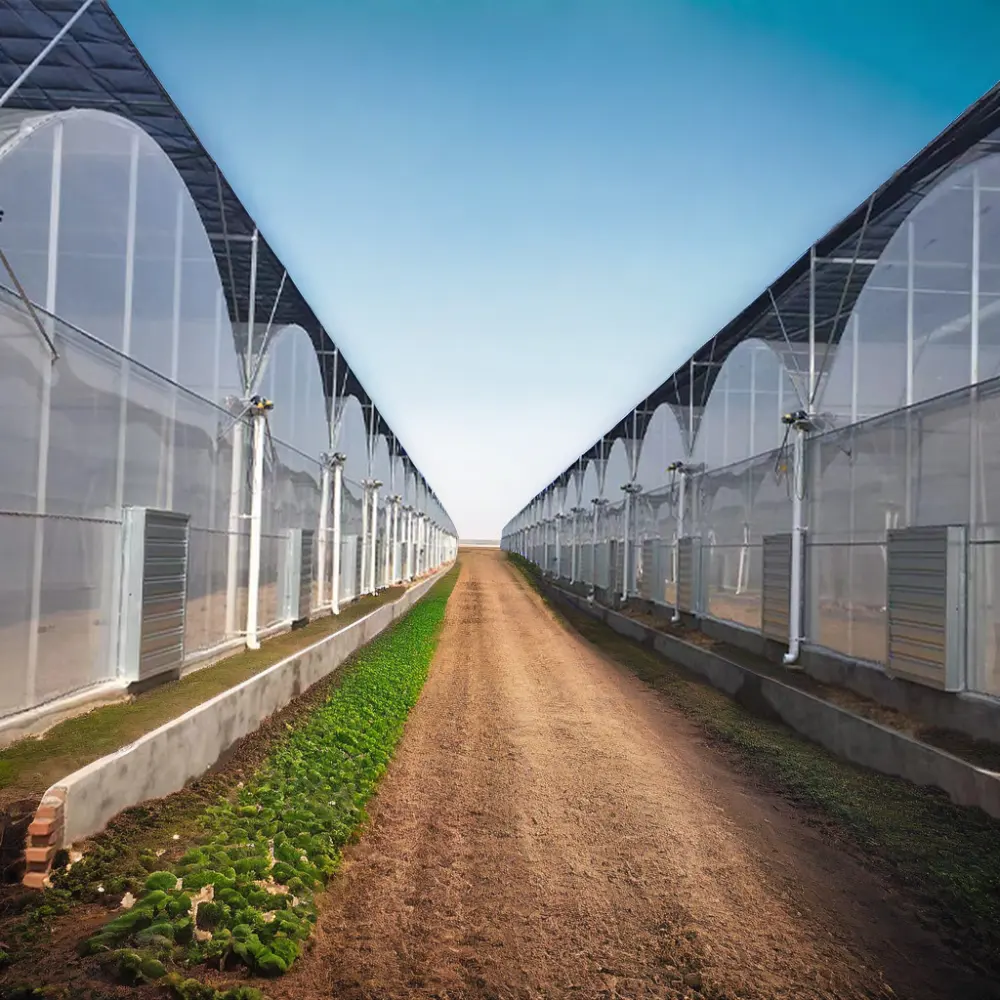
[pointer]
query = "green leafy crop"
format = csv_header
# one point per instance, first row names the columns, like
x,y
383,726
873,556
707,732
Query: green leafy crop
x,y
246,894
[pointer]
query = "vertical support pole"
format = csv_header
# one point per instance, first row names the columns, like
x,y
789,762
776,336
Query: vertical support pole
x,y
691,407
725,416
811,406
908,437
974,422
364,536
593,546
910,290
681,502
575,556
558,547
974,289
44,422
175,347
373,551
855,346
233,533
626,541
338,505
408,543
851,528
256,501
798,531
395,540
322,540
387,545
753,398
133,185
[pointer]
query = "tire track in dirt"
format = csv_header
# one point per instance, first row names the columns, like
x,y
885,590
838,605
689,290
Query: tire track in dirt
x,y
550,827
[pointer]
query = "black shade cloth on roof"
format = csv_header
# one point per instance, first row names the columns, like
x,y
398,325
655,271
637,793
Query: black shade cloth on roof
x,y
96,65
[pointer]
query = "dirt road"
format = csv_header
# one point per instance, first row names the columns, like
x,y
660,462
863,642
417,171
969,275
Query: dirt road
x,y
550,827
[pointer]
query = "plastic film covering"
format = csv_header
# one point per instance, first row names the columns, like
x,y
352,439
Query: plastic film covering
x,y
144,405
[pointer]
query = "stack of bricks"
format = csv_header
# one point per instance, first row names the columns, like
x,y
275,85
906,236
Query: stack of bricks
x,y
45,837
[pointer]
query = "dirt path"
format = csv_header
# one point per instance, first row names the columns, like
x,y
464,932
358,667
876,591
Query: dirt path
x,y
551,828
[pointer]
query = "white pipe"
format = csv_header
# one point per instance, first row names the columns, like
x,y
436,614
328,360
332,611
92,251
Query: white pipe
x,y
681,500
798,530
364,538
324,522
625,545
558,549
408,568
387,545
593,549
338,493
233,533
373,521
256,496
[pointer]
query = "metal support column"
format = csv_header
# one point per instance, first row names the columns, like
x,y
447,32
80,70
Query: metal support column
x,y
338,503
373,550
258,411
323,528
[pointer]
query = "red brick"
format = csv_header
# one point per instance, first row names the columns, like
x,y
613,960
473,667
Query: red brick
x,y
44,827
35,880
49,810
40,855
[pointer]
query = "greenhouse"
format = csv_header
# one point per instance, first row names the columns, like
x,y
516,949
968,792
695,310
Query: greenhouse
x,y
171,404
821,472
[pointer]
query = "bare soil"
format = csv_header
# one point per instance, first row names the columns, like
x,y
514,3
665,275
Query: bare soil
x,y
552,827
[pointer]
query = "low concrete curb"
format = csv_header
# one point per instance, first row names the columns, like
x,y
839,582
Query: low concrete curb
x,y
841,732
163,761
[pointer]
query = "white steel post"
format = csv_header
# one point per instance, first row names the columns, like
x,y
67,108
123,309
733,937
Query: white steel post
x,y
324,521
798,531
387,545
234,534
593,547
364,536
408,540
338,501
628,489
681,501
259,413
133,188
558,520
175,349
44,422
373,521
397,536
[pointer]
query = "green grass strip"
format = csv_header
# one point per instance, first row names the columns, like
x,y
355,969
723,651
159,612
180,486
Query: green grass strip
x,y
948,854
278,841
30,766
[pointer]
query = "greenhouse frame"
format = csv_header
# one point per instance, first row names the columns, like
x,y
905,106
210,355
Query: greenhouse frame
x,y
182,438
823,472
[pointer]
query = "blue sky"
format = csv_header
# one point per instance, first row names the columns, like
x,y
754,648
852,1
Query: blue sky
x,y
519,216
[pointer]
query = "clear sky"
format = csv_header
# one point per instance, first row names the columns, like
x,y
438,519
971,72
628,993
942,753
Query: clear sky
x,y
517,217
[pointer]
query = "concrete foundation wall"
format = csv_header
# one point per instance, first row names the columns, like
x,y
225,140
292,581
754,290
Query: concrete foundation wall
x,y
841,732
163,761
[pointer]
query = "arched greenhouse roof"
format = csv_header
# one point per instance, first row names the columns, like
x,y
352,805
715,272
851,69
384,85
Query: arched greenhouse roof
x,y
96,65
